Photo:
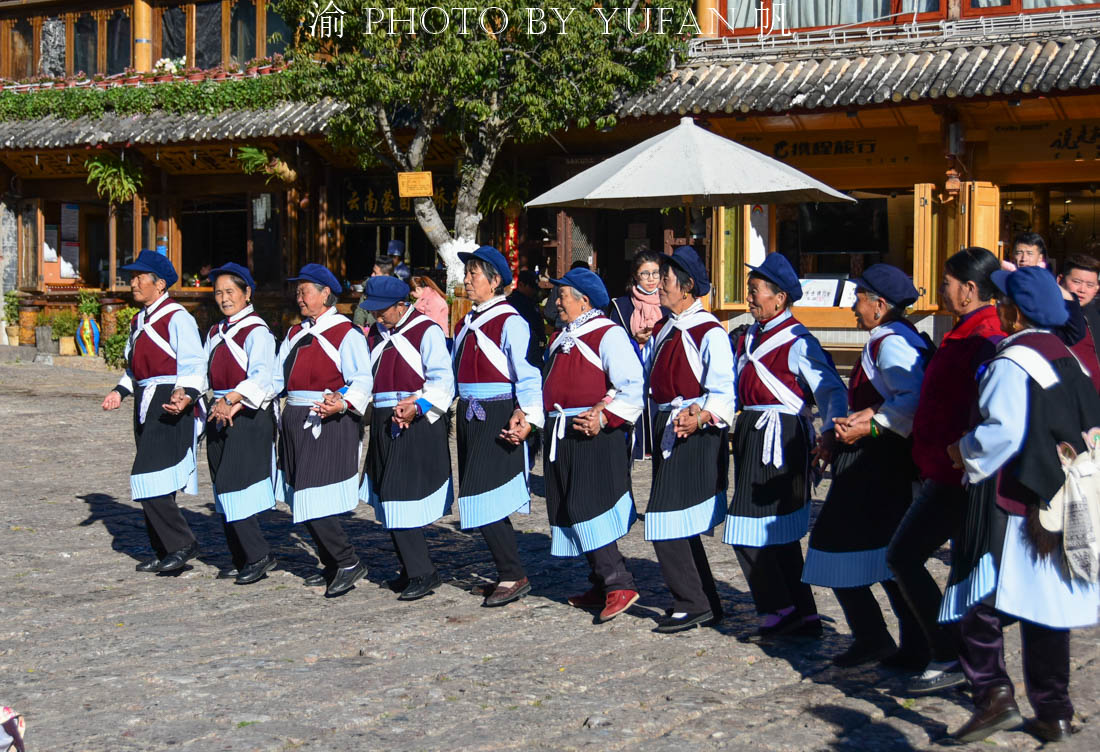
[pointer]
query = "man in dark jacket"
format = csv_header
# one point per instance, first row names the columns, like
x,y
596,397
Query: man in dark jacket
x,y
1079,276
525,299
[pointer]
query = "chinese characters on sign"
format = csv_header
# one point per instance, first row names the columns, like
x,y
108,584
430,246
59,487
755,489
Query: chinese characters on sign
x,y
1064,141
327,23
377,200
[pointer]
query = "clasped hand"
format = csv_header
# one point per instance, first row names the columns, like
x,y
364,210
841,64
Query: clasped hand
x,y
518,428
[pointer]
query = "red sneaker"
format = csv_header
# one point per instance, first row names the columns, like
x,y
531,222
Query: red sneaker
x,y
617,602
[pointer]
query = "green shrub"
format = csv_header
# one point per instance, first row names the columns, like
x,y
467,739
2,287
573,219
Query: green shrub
x,y
64,324
11,307
113,348
124,317
88,304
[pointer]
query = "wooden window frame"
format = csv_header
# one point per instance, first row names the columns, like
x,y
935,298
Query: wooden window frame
x,y
1016,8
895,7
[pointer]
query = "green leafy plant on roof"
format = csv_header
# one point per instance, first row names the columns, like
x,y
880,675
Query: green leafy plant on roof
x,y
115,179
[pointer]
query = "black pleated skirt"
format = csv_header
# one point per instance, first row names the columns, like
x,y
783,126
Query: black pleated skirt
x,y
492,473
588,493
871,489
407,475
165,459
319,474
240,460
689,488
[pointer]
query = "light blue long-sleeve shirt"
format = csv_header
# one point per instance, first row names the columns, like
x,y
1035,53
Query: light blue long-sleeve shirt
x,y
258,387
1003,403
184,339
354,366
624,371
900,365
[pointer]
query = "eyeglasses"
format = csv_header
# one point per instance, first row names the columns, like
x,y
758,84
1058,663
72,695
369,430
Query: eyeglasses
x,y
649,275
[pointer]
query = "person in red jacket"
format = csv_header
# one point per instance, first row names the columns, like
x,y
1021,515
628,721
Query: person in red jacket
x,y
945,412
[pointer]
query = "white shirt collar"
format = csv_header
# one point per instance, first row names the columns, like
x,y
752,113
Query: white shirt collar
x,y
331,310
156,303
488,304
693,308
246,311
772,323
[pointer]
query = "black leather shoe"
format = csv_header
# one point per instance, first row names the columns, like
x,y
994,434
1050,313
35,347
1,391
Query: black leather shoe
x,y
672,623
177,559
810,628
398,584
256,571
1050,731
345,579
860,652
418,587
149,565
787,624
320,578
997,712
227,574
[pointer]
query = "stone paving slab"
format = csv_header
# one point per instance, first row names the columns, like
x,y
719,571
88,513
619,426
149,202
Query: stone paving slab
x,y
100,657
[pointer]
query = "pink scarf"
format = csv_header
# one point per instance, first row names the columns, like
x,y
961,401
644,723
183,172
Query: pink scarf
x,y
647,310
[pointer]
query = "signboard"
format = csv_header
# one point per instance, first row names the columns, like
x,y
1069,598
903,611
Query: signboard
x,y
817,293
378,200
414,184
1050,141
846,148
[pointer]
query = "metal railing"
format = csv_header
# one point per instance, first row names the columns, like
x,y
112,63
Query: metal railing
x,y
895,37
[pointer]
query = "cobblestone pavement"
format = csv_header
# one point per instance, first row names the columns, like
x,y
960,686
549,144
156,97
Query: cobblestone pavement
x,y
99,657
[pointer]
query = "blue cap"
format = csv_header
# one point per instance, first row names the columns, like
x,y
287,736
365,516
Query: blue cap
x,y
777,269
320,275
587,283
395,248
888,282
382,292
151,261
687,259
232,268
1035,293
495,258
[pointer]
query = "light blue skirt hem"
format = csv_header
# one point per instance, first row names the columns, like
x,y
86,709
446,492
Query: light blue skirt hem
x,y
415,512
596,532
960,597
164,482
239,505
685,523
845,569
485,508
322,501
757,532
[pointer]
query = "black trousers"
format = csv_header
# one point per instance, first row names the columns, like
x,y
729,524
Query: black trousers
x,y
333,547
500,537
1045,658
686,570
168,530
865,617
412,550
774,574
247,544
935,517
609,568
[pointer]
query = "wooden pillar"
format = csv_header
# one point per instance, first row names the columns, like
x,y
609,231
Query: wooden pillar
x,y
705,12
1040,212
142,18
112,244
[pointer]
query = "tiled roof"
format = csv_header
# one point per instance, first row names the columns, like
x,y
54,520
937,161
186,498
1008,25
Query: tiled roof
x,y
286,120
826,80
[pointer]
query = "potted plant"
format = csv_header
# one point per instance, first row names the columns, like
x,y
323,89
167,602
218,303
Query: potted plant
x,y
278,62
131,77
11,316
194,74
217,74
64,324
87,332
114,346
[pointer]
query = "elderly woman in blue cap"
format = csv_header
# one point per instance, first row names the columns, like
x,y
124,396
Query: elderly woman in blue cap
x,y
780,365
586,454
324,369
240,437
873,473
1012,562
166,374
407,478
691,387
500,399
396,252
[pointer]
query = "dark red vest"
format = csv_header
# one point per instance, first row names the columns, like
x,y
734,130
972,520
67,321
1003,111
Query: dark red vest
x,y
313,370
223,369
473,366
146,358
571,379
750,389
1085,350
391,372
671,376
